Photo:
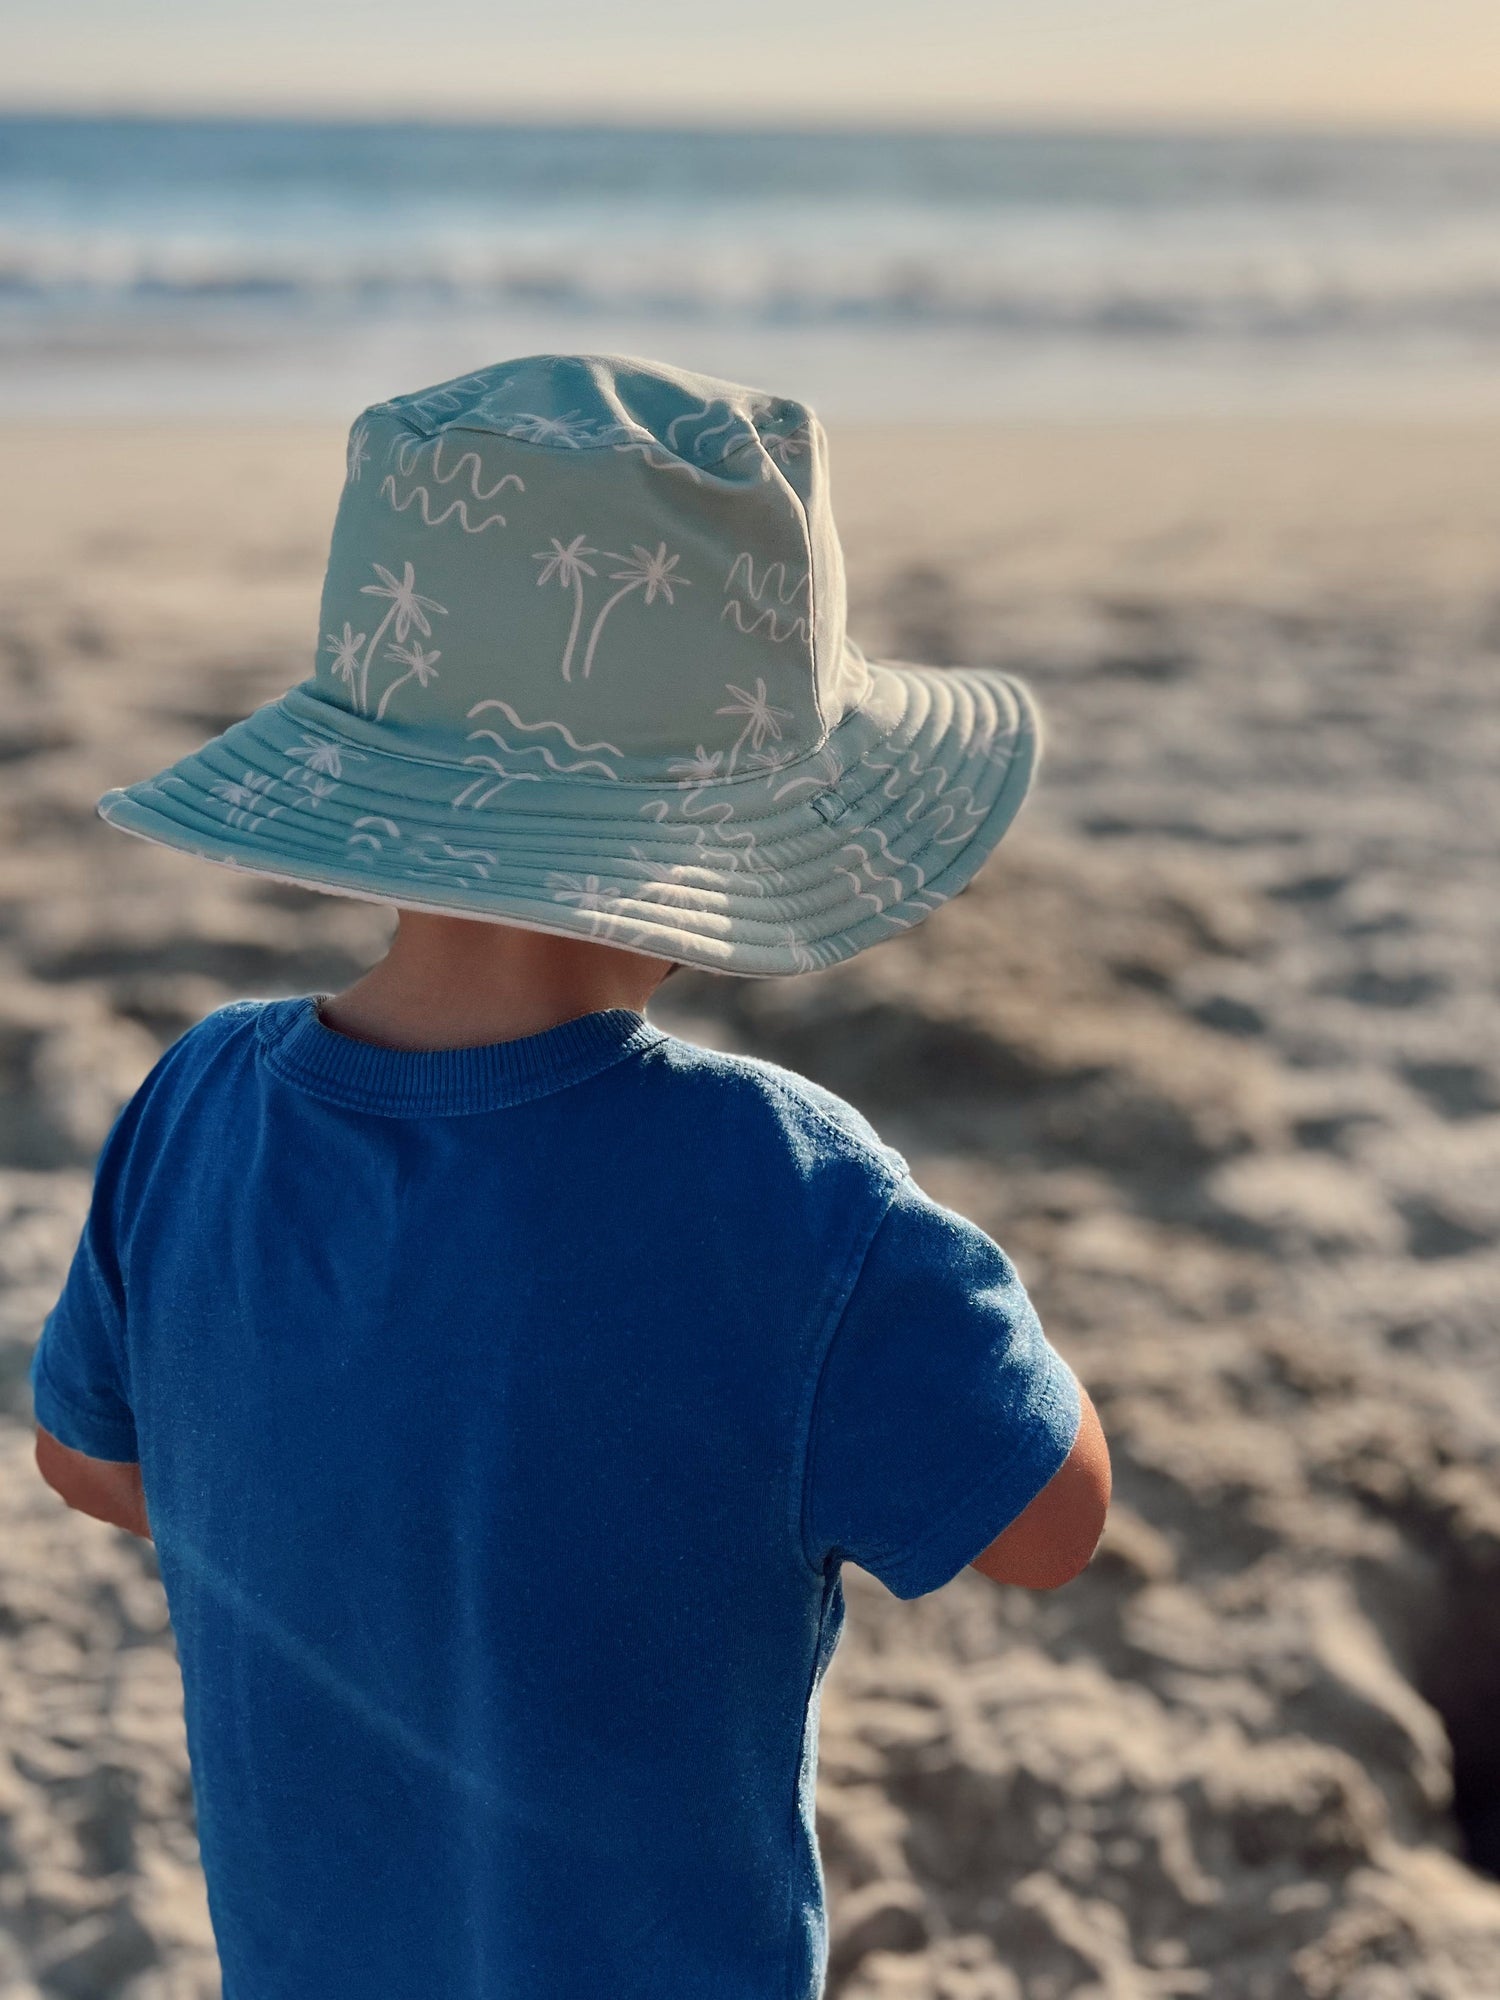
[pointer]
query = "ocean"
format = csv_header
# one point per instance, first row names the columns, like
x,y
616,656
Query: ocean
x,y
265,268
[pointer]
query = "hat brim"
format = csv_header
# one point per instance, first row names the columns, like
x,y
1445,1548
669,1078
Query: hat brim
x,y
781,868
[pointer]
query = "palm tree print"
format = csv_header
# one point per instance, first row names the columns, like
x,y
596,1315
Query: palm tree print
x,y
246,799
586,891
641,571
356,452
345,653
701,768
669,881
761,719
420,667
315,789
568,566
571,429
772,761
407,609
318,755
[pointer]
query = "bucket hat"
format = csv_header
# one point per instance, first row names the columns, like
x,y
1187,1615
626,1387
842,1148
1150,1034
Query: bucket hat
x,y
582,667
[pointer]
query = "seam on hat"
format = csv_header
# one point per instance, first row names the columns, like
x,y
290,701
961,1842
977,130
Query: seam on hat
x,y
576,448
614,785
812,597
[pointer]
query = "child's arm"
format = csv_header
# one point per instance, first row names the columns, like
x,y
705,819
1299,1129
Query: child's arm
x,y
107,1490
1050,1541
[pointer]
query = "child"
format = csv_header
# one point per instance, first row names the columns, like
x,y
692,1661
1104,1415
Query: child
x,y
505,1380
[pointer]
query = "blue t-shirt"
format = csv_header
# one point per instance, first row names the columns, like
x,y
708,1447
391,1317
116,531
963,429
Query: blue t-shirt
x,y
505,1415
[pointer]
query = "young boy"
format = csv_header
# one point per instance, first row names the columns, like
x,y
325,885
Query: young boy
x,y
504,1381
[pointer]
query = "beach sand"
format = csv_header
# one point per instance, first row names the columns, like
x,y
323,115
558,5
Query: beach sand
x,y
1213,1047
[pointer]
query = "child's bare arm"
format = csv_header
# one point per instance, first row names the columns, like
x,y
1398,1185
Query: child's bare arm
x,y
101,1487
1052,1539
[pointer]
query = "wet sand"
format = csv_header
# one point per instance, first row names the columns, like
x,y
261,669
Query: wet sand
x,y
1213,1047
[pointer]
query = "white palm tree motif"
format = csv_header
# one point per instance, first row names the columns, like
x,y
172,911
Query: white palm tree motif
x,y
246,799
641,571
761,719
568,566
586,891
772,761
356,452
827,770
323,756
702,767
345,653
667,881
407,608
420,667
532,429
315,789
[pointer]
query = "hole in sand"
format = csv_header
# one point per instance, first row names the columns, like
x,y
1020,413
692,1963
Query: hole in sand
x,y
1461,1676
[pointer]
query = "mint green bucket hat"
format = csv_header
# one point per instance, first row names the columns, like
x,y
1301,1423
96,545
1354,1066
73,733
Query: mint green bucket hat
x,y
583,668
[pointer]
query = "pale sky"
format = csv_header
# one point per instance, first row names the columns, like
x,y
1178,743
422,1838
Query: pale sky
x,y
1407,62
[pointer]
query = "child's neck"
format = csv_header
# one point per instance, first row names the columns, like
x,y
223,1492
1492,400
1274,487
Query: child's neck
x,y
451,983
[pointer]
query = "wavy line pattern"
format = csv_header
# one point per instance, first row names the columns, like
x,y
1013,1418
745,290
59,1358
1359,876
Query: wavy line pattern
x,y
860,895
883,877
659,460
480,859
700,416
583,749
898,863
408,451
486,792
796,627
717,817
801,586
541,750
422,500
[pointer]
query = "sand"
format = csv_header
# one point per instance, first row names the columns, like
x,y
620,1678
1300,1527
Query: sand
x,y
1214,1049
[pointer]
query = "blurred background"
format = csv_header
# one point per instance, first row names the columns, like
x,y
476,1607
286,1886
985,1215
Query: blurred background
x,y
1159,345
1105,211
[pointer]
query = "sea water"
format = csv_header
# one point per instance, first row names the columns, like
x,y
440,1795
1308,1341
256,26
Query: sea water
x,y
291,268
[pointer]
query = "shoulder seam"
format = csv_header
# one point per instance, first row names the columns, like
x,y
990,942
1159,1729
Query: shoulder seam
x,y
880,1153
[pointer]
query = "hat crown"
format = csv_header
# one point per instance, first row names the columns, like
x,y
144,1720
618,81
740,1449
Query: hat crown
x,y
593,565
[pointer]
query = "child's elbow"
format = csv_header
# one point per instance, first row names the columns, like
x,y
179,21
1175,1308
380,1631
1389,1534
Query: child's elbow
x,y
1073,1554
1053,1540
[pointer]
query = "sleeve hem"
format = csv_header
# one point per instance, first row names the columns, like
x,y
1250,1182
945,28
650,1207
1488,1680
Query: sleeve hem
x,y
968,1528
110,1439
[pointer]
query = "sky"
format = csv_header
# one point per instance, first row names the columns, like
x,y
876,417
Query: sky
x,y
1375,62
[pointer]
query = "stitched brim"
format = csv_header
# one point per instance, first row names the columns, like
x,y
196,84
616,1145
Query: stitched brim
x,y
780,870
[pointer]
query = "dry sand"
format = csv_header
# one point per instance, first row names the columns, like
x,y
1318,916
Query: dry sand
x,y
1214,1048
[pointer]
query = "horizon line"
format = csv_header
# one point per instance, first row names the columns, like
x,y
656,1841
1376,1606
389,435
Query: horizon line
x,y
917,121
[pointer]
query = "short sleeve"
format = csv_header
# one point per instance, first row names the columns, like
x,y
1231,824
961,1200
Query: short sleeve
x,y
78,1381
942,1410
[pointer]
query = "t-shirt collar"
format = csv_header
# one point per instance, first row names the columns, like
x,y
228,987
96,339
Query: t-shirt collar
x,y
363,1076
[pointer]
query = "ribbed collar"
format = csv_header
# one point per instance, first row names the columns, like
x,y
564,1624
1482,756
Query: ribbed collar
x,y
436,1083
